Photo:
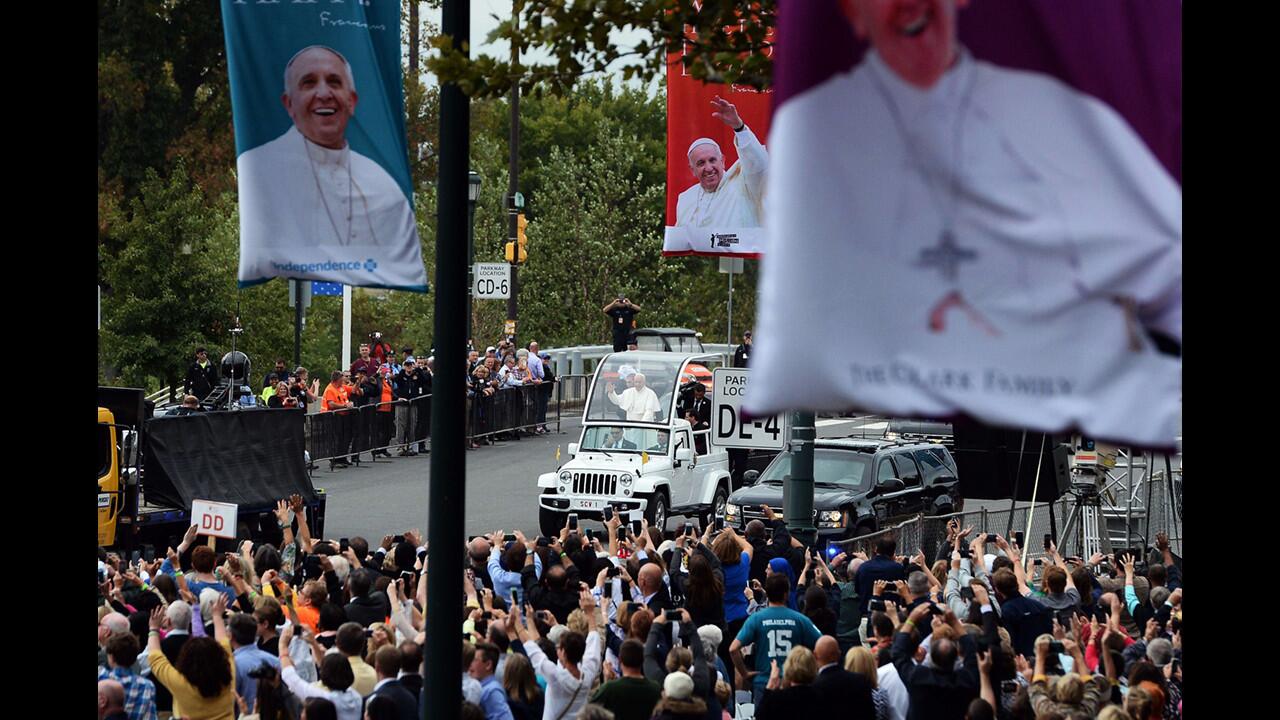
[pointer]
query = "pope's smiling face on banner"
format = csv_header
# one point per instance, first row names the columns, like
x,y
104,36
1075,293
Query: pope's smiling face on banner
x,y
320,97
707,165
916,38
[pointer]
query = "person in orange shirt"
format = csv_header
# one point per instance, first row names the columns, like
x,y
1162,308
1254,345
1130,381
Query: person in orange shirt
x,y
386,423
313,595
336,398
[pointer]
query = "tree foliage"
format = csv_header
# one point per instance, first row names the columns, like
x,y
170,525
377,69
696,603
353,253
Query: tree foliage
x,y
722,41
592,170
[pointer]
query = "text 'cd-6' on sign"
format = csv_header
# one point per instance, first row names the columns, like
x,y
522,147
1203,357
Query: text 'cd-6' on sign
x,y
492,281
728,429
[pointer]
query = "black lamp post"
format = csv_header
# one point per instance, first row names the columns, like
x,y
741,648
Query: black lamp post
x,y
473,196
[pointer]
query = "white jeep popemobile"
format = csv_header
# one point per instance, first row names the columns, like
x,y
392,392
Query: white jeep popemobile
x,y
635,452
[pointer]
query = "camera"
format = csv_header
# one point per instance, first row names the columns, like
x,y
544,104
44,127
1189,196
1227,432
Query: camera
x,y
573,521
608,513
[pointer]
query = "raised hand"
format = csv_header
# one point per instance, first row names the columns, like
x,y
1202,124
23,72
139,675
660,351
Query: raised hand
x,y
726,113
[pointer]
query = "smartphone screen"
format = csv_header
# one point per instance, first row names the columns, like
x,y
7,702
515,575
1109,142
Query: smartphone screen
x,y
1048,539
573,521
1018,538
343,544
719,523
587,534
672,615
688,529
637,527
608,513
509,537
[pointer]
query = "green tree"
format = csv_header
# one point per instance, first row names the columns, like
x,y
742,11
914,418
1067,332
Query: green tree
x,y
715,40
170,281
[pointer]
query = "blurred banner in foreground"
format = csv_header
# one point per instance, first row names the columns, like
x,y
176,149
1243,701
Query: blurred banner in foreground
x,y
980,214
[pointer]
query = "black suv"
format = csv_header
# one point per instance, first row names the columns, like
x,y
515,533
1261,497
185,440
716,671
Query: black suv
x,y
860,485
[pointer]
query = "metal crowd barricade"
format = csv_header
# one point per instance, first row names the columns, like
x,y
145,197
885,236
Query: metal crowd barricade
x,y
511,409
928,532
348,433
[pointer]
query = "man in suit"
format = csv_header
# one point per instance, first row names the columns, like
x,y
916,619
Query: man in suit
x,y
615,441
366,607
937,690
699,415
840,690
653,590
410,667
388,661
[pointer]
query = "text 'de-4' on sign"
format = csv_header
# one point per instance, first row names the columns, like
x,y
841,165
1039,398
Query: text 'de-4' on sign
x,y
727,427
216,519
492,281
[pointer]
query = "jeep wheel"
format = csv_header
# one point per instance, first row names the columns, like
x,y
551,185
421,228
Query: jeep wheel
x,y
550,522
656,511
717,506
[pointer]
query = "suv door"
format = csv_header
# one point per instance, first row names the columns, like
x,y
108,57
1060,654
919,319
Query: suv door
x,y
683,478
935,477
909,473
889,506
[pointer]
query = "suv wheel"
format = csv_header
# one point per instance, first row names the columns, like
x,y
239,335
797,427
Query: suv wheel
x,y
656,511
550,522
717,505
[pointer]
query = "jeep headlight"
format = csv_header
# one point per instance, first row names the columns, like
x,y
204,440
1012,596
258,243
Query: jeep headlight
x,y
626,479
730,510
565,478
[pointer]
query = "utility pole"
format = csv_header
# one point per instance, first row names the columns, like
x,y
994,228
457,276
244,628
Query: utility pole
x,y
797,488
448,479
413,39
513,175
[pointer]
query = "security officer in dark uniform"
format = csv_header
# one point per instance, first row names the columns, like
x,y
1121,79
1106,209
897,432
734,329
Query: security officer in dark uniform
x,y
622,313
743,353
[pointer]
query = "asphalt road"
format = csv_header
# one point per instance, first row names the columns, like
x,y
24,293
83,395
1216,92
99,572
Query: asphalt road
x,y
390,496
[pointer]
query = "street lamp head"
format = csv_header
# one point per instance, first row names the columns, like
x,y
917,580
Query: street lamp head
x,y
473,187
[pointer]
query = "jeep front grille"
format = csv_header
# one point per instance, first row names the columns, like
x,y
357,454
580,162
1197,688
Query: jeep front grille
x,y
595,483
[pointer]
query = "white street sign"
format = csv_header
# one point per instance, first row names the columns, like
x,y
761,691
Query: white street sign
x,y
728,430
216,519
491,281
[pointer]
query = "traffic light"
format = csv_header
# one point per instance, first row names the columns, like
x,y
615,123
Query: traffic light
x,y
518,252
521,239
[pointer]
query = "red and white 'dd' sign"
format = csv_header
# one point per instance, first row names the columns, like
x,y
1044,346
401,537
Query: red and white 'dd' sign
x,y
216,519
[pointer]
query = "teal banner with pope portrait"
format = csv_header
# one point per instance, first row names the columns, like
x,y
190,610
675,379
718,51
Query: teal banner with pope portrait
x,y
321,156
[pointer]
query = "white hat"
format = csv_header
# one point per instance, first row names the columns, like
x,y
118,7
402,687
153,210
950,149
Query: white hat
x,y
711,633
703,141
678,686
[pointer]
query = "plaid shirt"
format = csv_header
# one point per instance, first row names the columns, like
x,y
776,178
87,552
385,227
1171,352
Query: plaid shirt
x,y
139,692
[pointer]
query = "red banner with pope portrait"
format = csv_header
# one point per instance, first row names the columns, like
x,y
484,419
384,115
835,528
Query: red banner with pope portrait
x,y
717,164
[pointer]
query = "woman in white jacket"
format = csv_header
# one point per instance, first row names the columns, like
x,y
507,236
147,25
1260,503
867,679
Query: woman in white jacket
x,y
336,678
569,680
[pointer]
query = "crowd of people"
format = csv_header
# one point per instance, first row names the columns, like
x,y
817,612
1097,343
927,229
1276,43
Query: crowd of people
x,y
629,622
490,407
400,387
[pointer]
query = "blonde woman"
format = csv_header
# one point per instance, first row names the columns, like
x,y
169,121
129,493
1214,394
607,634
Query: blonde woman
x,y
860,661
